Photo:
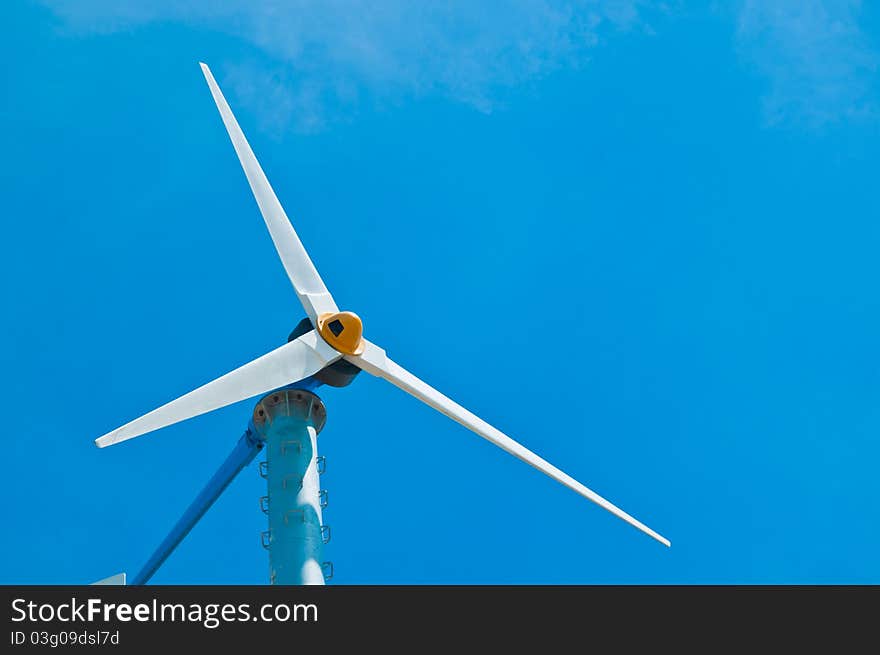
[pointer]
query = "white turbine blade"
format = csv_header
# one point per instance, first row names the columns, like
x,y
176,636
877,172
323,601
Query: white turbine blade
x,y
113,580
306,282
290,363
374,361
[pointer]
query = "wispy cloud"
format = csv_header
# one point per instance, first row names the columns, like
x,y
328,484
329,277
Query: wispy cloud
x,y
334,55
819,63
331,57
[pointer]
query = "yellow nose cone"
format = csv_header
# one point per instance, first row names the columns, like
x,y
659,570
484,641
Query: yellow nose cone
x,y
342,330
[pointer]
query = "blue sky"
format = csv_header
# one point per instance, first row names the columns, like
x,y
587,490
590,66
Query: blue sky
x,y
671,206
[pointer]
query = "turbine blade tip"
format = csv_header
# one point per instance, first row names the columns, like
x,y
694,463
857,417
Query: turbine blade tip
x,y
660,538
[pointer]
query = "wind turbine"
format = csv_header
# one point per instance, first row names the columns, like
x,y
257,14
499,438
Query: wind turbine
x,y
327,347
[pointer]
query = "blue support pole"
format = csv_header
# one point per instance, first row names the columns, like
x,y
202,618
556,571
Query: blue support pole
x,y
245,451
289,421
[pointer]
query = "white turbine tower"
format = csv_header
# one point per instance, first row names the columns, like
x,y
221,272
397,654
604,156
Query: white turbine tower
x,y
327,348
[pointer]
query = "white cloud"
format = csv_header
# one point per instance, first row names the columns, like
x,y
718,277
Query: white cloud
x,y
333,55
819,63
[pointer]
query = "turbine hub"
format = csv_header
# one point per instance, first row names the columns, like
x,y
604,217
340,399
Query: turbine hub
x,y
342,330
